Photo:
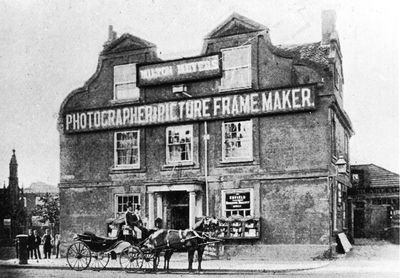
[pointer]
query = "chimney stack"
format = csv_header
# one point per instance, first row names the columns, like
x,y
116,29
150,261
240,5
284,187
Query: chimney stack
x,y
328,26
112,36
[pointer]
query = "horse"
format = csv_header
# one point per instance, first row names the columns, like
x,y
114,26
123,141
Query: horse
x,y
190,240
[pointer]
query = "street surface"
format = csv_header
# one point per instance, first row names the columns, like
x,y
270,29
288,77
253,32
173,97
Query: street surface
x,y
367,259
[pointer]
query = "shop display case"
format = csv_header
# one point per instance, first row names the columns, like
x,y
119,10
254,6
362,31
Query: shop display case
x,y
239,228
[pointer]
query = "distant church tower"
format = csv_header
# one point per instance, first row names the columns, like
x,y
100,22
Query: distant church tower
x,y
12,208
13,181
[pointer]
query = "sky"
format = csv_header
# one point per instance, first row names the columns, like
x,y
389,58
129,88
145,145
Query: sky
x,y
49,48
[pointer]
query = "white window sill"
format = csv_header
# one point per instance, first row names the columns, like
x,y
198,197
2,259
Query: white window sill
x,y
122,168
117,101
236,160
223,89
178,164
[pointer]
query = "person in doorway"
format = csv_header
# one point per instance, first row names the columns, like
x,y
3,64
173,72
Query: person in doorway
x,y
31,244
38,240
57,242
47,239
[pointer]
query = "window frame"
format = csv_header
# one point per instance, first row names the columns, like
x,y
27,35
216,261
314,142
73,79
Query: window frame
x,y
126,166
116,205
237,190
237,159
227,87
167,156
131,81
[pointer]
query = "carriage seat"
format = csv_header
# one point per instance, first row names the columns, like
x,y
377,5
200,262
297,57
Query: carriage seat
x,y
100,239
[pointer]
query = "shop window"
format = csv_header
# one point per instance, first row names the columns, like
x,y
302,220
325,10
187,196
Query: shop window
x,y
122,201
179,144
237,141
237,203
125,82
236,66
127,149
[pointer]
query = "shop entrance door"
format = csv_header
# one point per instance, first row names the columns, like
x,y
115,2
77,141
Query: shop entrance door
x,y
177,210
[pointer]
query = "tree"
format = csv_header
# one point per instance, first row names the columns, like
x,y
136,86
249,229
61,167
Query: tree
x,y
48,210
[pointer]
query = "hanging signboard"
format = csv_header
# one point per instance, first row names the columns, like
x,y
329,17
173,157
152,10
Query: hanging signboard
x,y
179,71
295,99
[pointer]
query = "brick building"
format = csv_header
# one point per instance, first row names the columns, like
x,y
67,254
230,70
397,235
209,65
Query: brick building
x,y
375,195
248,132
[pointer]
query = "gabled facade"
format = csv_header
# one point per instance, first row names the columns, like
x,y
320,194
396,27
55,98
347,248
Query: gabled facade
x,y
248,132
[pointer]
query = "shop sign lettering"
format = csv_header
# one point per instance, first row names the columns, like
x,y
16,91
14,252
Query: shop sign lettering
x,y
238,200
207,108
179,70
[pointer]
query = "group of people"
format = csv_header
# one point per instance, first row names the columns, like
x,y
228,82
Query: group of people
x,y
34,242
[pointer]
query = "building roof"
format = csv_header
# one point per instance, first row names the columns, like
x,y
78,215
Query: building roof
x,y
305,54
378,176
41,187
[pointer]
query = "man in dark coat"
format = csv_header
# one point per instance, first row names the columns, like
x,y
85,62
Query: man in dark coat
x,y
134,221
47,241
31,244
38,240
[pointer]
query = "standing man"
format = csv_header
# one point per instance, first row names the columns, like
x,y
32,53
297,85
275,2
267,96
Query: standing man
x,y
47,239
31,244
38,240
57,243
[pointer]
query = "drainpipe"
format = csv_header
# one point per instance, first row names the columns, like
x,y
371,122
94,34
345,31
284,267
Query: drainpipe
x,y
206,137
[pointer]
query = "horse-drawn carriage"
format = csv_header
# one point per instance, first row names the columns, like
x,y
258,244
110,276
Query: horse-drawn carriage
x,y
139,254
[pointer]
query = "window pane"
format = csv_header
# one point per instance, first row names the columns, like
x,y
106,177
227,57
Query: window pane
x,y
125,73
238,78
236,68
179,144
126,91
237,57
237,140
127,148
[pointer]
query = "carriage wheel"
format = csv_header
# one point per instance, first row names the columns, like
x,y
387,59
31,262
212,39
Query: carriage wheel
x,y
130,259
78,256
147,260
100,261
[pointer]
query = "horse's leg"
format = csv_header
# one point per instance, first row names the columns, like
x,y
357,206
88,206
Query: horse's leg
x,y
170,252
155,258
200,252
190,257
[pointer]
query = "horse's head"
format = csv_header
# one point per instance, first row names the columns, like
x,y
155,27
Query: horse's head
x,y
207,225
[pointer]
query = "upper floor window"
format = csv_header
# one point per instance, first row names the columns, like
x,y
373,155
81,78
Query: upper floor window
x,y
237,141
126,149
179,144
236,66
125,82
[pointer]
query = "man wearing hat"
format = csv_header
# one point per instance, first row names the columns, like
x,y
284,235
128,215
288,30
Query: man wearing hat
x,y
133,220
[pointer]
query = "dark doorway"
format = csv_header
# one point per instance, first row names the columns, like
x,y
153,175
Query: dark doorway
x,y
177,210
359,223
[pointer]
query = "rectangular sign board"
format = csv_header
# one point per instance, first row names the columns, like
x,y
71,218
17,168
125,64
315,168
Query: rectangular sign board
x,y
287,100
178,71
238,200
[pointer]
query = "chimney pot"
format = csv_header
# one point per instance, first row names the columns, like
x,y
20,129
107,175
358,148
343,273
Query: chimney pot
x,y
328,25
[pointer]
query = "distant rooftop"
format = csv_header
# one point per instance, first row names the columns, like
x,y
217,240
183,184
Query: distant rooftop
x,y
41,187
378,176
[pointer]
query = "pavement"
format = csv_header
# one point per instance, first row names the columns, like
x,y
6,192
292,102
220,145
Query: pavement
x,y
179,263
